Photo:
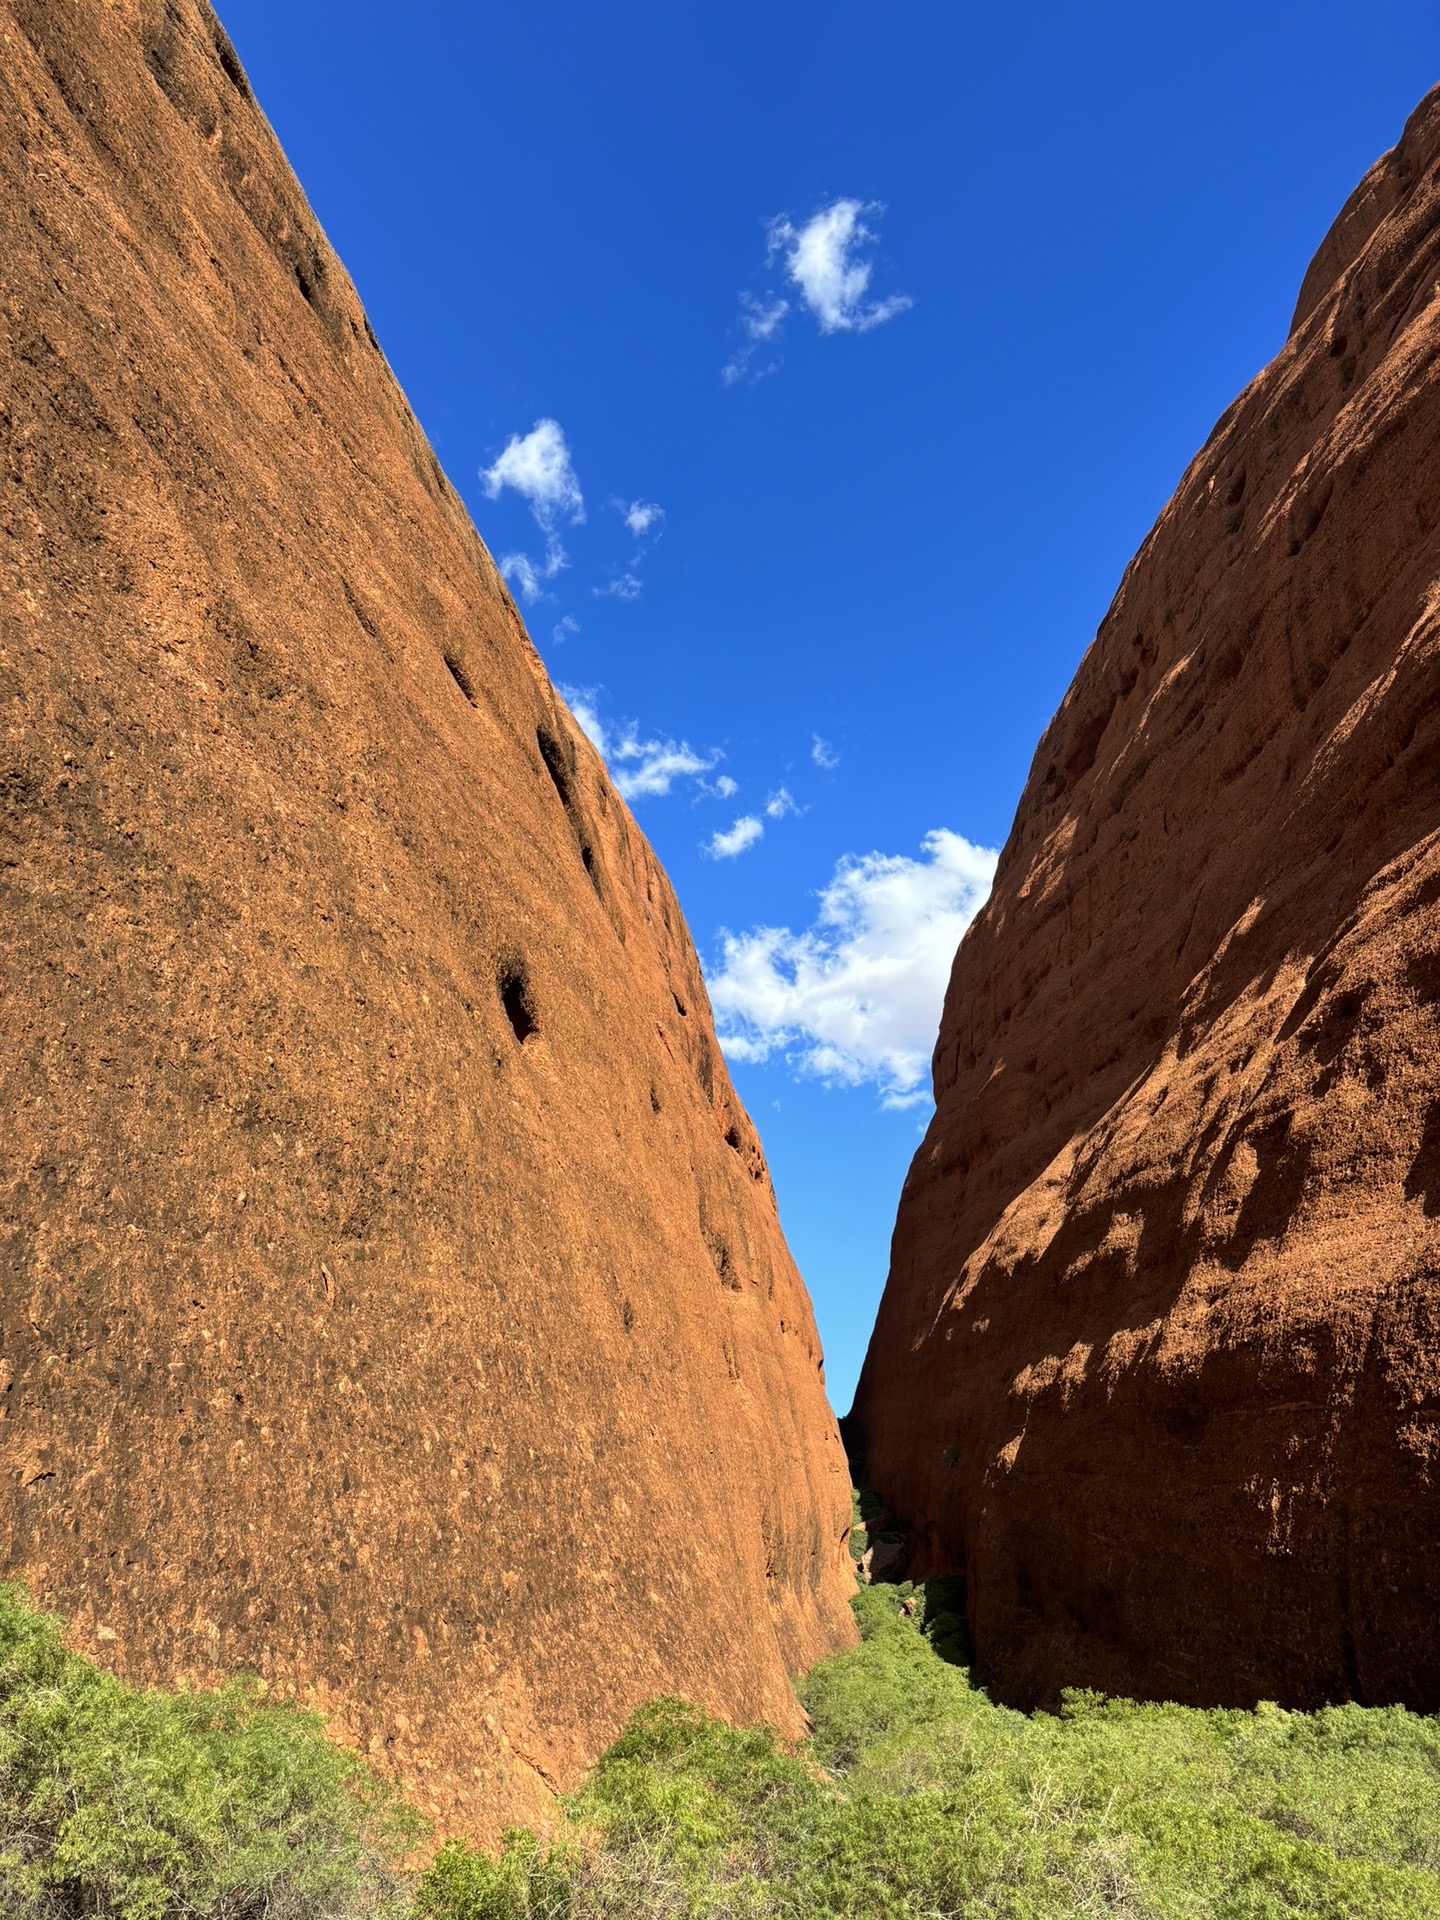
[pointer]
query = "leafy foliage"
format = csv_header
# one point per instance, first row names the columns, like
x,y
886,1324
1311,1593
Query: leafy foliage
x,y
146,1805
916,1798
919,1798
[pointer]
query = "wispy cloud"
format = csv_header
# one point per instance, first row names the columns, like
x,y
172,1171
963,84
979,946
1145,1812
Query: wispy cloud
x,y
823,259
564,629
734,840
537,465
625,586
781,802
530,575
723,787
856,999
581,703
829,263
823,754
641,516
760,321
641,768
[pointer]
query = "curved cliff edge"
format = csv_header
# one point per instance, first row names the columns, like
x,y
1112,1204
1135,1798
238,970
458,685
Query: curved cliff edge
x,y
394,1301
1158,1362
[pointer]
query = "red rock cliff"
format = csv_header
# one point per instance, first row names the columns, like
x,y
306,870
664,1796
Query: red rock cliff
x,y
393,1296
1159,1357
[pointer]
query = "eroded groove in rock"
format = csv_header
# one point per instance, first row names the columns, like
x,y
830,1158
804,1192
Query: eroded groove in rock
x,y
361,1326
1159,1356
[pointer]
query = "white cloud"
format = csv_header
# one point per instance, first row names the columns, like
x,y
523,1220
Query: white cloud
x,y
645,768
745,832
823,260
529,575
827,261
582,704
625,586
563,629
781,802
724,787
760,320
823,754
538,466
857,997
641,769
522,573
640,516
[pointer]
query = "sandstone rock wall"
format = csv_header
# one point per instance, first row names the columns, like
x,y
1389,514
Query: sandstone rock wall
x,y
393,1296
1159,1356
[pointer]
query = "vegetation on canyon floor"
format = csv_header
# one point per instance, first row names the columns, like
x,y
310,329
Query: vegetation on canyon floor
x,y
915,1797
148,1805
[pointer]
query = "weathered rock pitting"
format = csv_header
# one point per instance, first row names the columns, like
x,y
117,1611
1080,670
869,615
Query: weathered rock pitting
x,y
393,1296
1159,1357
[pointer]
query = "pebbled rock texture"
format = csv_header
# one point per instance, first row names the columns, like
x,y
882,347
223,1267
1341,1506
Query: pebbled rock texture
x,y
393,1296
1158,1362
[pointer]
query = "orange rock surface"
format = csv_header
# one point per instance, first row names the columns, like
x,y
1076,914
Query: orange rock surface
x,y
1159,1356
393,1296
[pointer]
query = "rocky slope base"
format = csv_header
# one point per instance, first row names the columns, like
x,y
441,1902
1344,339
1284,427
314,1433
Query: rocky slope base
x,y
1158,1362
393,1296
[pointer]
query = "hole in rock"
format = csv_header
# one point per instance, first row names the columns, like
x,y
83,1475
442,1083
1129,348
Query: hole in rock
x,y
705,1068
230,64
515,998
720,1258
461,678
553,755
732,1138
558,767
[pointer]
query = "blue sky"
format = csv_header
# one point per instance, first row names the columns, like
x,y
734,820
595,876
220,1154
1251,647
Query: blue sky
x,y
1026,257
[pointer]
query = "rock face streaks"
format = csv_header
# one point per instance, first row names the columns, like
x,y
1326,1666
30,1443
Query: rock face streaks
x,y
1159,1355
393,1296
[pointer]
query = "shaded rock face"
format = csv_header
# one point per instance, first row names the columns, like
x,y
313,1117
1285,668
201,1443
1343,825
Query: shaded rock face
x,y
1158,1361
393,1296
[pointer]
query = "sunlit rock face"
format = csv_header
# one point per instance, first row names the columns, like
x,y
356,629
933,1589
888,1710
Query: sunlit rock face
x,y
1159,1357
394,1302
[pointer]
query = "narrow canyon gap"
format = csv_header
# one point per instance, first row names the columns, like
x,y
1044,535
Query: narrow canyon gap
x,y
394,1301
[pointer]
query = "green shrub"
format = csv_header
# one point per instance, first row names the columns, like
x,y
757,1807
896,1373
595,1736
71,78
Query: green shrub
x,y
917,1798
528,1882
144,1805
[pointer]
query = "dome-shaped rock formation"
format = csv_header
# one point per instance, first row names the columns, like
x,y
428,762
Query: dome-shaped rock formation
x,y
394,1301
1158,1362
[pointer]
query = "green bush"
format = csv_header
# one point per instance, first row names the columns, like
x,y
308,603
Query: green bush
x,y
145,1805
917,1798
528,1882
